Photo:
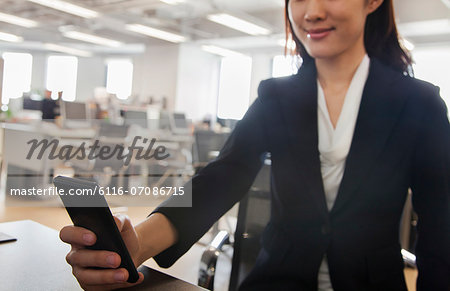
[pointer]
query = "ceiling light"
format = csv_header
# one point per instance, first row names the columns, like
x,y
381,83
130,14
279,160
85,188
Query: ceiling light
x,y
67,50
10,37
238,24
153,32
67,7
425,28
17,20
220,51
172,2
92,38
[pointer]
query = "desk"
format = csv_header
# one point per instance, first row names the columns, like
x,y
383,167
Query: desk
x,y
36,261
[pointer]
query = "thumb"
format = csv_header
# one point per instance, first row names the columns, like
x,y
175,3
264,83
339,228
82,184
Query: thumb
x,y
123,222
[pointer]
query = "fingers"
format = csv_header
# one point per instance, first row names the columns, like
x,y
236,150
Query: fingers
x,y
93,258
97,269
100,277
75,235
112,286
93,277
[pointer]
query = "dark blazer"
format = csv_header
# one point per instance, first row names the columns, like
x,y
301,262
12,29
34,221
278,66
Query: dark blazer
x,y
401,141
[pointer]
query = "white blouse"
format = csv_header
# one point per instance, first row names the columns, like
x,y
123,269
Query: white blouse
x,y
334,145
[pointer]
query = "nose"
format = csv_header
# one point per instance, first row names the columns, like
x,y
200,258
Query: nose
x,y
315,10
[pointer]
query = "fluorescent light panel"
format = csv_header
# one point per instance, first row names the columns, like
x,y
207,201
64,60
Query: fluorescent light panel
x,y
67,7
157,33
92,38
238,24
425,28
17,20
220,51
10,37
67,50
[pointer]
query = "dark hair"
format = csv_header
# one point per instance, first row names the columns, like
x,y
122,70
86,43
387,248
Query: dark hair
x,y
380,39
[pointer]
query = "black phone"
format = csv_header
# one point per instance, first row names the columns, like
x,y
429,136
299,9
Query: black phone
x,y
89,209
6,238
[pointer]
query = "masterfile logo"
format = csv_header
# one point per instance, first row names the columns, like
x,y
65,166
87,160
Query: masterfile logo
x,y
140,149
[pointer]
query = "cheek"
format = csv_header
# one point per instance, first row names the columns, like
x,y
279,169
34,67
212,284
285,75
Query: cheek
x,y
296,17
353,26
296,14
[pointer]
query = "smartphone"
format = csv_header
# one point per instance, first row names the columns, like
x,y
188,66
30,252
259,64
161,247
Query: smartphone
x,y
89,209
6,238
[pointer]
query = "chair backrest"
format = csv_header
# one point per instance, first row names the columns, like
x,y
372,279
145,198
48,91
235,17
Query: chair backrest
x,y
253,216
207,141
113,163
109,130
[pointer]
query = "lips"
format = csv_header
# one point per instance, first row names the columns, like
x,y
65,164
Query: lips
x,y
318,33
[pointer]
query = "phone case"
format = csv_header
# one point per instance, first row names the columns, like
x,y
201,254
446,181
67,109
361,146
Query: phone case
x,y
92,212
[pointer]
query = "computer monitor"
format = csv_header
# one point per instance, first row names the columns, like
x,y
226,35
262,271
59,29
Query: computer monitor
x,y
30,104
74,110
135,117
75,114
164,120
178,123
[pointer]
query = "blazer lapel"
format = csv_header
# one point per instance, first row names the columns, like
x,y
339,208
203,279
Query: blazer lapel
x,y
379,110
299,108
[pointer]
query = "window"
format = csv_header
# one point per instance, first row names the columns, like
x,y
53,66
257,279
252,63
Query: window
x,y
284,66
16,75
62,76
234,87
432,64
119,78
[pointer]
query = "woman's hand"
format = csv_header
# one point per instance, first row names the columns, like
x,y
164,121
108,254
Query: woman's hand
x,y
85,262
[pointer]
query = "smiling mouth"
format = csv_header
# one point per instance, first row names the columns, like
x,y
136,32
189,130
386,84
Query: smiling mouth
x,y
318,33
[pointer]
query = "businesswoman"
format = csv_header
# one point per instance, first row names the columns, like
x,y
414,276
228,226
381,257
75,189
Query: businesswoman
x,y
348,135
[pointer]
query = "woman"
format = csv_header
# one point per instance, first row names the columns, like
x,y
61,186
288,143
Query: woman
x,y
348,135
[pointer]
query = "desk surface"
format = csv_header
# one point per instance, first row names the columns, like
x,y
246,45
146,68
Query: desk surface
x,y
36,261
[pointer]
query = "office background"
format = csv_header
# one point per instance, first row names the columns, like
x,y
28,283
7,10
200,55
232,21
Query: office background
x,y
184,73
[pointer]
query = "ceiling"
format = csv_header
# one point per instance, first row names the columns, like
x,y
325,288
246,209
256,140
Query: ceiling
x,y
189,19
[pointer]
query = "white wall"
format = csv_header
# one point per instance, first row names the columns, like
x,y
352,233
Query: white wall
x,y
91,74
197,82
38,73
261,70
432,64
155,73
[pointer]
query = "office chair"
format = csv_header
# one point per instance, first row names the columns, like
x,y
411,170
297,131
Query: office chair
x,y
206,147
253,216
103,171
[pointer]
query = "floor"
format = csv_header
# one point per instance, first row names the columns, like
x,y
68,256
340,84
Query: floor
x,y
53,215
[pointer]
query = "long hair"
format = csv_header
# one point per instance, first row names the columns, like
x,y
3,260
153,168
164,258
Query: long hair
x,y
381,39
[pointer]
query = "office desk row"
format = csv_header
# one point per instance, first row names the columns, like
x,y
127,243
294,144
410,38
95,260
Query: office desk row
x,y
16,147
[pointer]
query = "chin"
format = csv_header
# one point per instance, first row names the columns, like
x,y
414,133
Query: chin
x,y
322,54
322,50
